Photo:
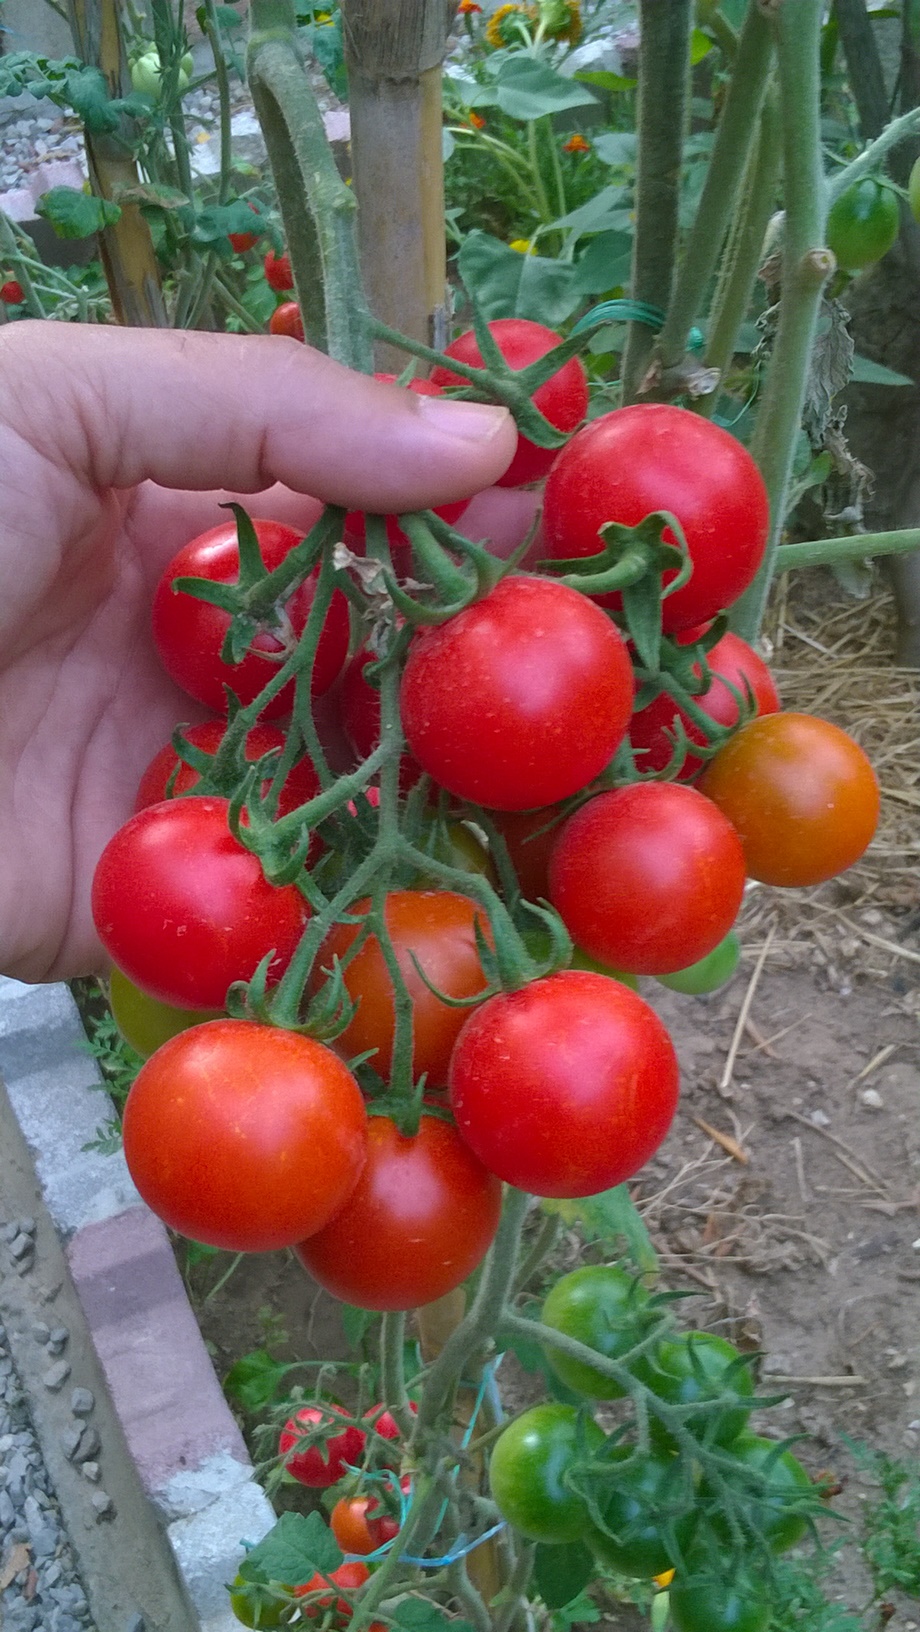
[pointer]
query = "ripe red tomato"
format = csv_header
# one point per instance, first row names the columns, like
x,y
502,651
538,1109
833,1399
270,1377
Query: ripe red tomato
x,y
359,709
12,293
319,1463
242,241
189,634
360,1526
653,456
731,660
437,928
529,836
184,910
521,699
420,1219
287,319
355,536
278,272
565,1087
245,1136
648,878
562,399
301,783
801,794
348,1576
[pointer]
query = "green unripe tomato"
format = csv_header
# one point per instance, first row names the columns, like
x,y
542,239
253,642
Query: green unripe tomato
x,y
780,1523
605,1308
528,1467
144,1021
698,1366
863,224
644,1497
710,973
719,1604
581,960
258,1606
147,74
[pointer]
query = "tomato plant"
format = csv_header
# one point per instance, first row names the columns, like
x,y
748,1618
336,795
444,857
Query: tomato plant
x,y
258,1606
184,910
801,795
350,1576
287,320
699,1366
650,457
361,1526
562,399
528,1468
189,634
565,1087
418,1222
488,699
143,1021
715,1603
607,1309
709,973
433,929
323,1463
640,1501
244,1136
278,271
300,784
773,1500
648,878
863,223
732,662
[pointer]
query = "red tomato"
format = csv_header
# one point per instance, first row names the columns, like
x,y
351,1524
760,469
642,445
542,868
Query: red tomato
x,y
287,319
348,1576
653,456
184,910
521,699
301,783
355,1527
437,928
529,836
12,293
319,1464
189,634
565,1087
359,709
731,660
278,272
386,1425
801,794
355,536
244,1136
421,1218
648,878
562,399
242,241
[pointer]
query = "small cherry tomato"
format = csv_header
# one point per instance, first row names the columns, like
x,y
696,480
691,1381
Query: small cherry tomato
x,y
863,224
562,399
528,1467
300,784
799,792
699,1366
278,272
709,973
322,1462
349,1577
732,662
643,1487
146,1023
242,241
605,1308
12,293
719,1603
287,319
771,1493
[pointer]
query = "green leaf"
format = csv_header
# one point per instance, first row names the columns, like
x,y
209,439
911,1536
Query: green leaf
x,y
869,373
156,194
529,89
508,284
253,1381
607,1216
227,19
561,1572
615,146
605,211
75,214
356,1323
420,1615
605,80
605,263
700,46
294,1549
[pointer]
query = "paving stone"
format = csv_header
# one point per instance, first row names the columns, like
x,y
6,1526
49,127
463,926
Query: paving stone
x,y
81,1402
56,1376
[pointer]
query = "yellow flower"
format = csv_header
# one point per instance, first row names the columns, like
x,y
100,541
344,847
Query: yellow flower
x,y
523,246
502,27
664,1579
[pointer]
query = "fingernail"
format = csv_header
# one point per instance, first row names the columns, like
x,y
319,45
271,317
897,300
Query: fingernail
x,y
472,421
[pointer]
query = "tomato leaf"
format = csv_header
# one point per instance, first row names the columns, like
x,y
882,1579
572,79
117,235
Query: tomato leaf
x,y
561,1571
507,284
295,1548
356,1323
74,214
253,1381
416,1615
606,1216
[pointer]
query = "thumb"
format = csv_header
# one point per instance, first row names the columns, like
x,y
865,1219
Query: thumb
x,y
198,411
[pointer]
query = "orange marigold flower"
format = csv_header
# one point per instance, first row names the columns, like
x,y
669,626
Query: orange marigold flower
x,y
498,31
576,144
476,119
466,6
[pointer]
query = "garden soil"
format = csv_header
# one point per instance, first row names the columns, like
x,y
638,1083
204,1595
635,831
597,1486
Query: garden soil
x,y
787,1196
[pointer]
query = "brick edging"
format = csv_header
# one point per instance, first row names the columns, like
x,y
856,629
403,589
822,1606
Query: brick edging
x,y
185,1445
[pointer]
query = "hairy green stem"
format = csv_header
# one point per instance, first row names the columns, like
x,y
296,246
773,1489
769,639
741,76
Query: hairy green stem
x,y
392,1373
869,160
664,57
807,266
853,547
734,141
543,1243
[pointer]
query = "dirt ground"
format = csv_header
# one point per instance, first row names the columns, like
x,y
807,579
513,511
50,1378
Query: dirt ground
x,y
788,1192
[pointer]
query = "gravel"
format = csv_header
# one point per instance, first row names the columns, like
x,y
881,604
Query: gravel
x,y
42,1590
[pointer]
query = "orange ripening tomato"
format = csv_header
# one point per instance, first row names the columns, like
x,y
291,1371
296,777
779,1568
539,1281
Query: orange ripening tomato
x,y
801,795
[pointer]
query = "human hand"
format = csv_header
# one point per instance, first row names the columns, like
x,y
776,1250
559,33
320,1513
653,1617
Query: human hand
x,y
116,448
